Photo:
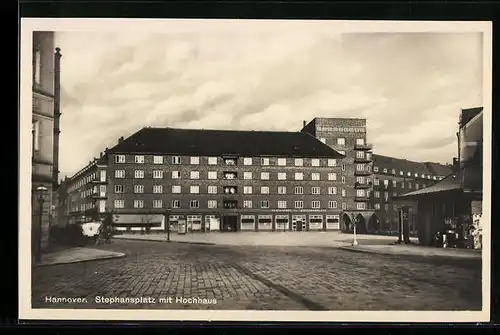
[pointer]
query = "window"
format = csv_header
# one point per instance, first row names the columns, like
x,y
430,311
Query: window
x,y
316,204
139,159
395,207
340,141
299,204
176,204
281,189
386,182
314,162
119,173
211,175
247,203
332,176
416,186
176,189
360,141
176,160
360,180
139,174
212,203
264,204
394,183
344,205
38,66
282,204
157,188
194,160
385,170
376,194
332,162
230,190
119,189
360,193
343,167
377,206
157,159
343,179
230,161
386,196
194,204
212,160
360,167
264,190
332,204
138,188
409,186
299,176
119,203
120,159
315,176
375,169
212,190
332,190
158,174
416,175
282,161
264,161
315,190
299,190
194,175
299,162
360,205
138,203
194,189
247,161
264,175
323,140
344,192
360,154
247,189
281,175
157,203
247,175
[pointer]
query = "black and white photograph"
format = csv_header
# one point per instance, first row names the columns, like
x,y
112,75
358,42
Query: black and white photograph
x,y
255,170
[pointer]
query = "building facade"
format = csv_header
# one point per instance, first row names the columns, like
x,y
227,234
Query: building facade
x,y
45,126
213,180
393,177
454,204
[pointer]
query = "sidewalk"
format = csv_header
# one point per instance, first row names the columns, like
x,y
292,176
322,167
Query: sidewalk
x,y
311,239
415,250
75,255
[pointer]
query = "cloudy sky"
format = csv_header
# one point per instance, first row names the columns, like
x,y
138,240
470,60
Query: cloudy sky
x,y
409,86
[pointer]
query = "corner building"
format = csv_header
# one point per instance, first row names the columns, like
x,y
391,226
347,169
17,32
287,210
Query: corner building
x,y
215,180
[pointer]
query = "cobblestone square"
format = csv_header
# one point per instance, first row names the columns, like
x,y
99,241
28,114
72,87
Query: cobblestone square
x,y
187,276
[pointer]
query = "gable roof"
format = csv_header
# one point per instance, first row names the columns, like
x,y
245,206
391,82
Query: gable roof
x,y
224,142
451,182
399,164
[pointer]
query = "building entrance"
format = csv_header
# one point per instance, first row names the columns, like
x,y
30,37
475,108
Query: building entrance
x,y
298,223
229,223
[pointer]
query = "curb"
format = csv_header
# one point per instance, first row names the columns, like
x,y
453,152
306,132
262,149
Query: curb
x,y
120,255
162,240
351,249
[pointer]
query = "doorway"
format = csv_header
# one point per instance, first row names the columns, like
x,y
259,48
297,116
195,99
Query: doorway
x,y
299,223
230,223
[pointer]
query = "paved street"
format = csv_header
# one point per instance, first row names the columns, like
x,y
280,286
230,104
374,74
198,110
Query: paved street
x,y
260,278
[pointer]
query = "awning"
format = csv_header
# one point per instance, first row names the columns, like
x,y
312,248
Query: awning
x,y
137,218
448,184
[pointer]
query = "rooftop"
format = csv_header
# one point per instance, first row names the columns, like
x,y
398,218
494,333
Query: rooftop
x,y
399,164
200,142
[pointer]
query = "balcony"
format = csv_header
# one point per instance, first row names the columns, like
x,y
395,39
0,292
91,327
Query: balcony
x,y
230,175
365,159
363,198
99,195
362,173
229,204
230,190
362,185
364,146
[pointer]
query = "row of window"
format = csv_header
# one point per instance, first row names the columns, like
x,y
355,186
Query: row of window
x,y
213,175
264,204
195,160
376,182
338,129
87,179
409,174
195,189
386,207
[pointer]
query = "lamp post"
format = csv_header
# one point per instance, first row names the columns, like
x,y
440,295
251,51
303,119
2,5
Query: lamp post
x,y
354,240
167,222
38,252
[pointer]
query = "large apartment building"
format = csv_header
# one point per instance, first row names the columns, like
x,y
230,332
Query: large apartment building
x,y
214,180
393,177
45,133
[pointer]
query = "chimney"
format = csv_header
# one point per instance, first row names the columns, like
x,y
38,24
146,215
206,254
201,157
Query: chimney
x,y
304,123
100,155
120,139
106,150
57,115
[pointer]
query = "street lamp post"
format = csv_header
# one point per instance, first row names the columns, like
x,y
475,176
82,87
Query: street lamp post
x,y
354,240
167,222
38,252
